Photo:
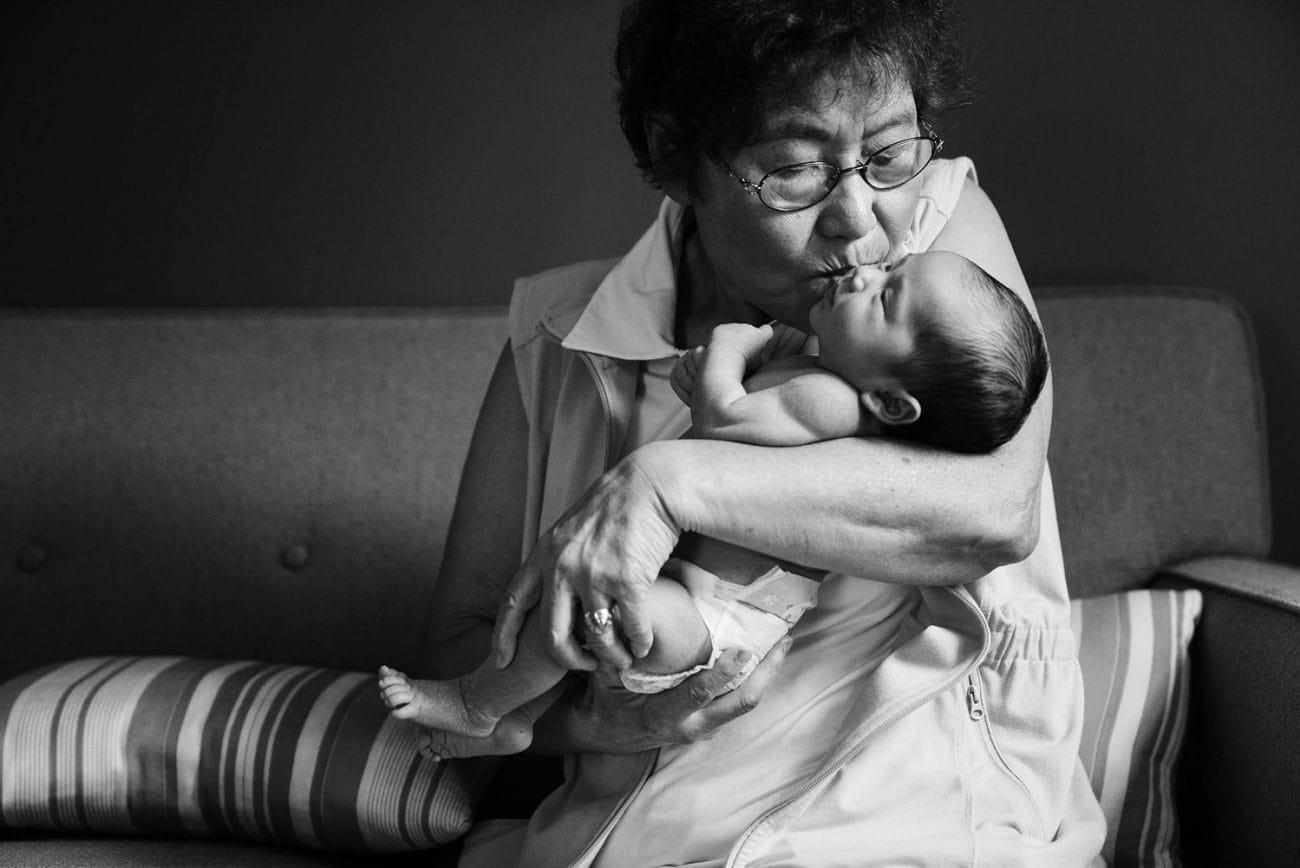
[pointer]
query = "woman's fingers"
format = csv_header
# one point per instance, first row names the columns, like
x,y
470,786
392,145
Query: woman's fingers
x,y
707,701
745,697
605,550
635,625
601,621
521,595
559,610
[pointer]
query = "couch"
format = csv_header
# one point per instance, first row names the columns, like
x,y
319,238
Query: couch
x,y
275,485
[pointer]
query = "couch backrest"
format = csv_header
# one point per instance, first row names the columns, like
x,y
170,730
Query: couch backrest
x,y
232,484
277,485
1158,448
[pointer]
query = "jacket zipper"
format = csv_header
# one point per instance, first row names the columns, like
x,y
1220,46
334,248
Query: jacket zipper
x,y
598,840
907,709
975,702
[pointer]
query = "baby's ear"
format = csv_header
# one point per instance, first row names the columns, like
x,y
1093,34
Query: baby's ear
x,y
892,407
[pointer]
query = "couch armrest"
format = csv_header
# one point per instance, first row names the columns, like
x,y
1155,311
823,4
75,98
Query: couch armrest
x,y
1239,779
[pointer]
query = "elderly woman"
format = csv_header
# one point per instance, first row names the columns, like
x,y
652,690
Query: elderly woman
x,y
928,709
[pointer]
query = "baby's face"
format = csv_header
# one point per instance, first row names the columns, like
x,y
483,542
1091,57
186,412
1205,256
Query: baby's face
x,y
870,318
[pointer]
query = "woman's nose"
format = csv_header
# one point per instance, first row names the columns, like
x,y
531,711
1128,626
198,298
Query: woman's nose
x,y
847,212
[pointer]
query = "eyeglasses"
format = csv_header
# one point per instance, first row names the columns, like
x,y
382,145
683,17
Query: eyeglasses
x,y
803,185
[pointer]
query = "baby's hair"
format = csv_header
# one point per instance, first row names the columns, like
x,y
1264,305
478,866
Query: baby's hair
x,y
975,388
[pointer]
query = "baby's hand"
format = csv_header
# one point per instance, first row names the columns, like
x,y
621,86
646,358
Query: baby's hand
x,y
750,340
686,372
730,338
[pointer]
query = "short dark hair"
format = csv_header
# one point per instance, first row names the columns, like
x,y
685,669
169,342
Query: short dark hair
x,y
716,66
977,388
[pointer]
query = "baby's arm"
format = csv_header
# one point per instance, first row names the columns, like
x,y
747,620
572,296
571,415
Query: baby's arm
x,y
790,402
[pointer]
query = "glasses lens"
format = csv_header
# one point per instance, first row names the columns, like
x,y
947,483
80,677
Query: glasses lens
x,y
795,187
899,163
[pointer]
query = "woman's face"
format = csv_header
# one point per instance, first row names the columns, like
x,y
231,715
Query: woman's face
x,y
761,264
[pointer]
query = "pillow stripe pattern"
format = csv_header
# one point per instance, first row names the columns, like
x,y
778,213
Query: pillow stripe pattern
x,y
1133,654
293,755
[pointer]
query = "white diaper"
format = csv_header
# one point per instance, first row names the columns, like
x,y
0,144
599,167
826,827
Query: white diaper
x,y
754,616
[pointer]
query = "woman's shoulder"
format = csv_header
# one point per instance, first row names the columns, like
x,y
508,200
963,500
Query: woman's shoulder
x,y
555,298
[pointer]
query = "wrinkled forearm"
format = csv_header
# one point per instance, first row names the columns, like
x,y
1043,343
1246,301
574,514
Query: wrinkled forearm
x,y
874,507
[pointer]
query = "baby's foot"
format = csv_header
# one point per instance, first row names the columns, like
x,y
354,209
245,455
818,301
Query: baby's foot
x,y
437,705
513,734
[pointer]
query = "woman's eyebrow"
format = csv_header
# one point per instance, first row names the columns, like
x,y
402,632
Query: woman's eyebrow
x,y
902,117
808,127
794,128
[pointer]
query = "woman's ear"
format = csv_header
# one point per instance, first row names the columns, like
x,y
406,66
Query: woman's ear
x,y
660,136
892,407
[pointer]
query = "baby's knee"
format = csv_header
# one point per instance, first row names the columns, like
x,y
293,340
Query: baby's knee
x,y
681,640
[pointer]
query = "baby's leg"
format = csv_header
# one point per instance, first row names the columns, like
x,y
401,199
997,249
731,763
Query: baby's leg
x,y
681,639
513,734
473,704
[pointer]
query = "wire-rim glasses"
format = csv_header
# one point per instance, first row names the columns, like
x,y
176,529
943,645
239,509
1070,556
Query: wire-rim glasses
x,y
802,185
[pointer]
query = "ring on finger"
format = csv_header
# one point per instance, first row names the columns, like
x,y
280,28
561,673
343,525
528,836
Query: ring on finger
x,y
598,620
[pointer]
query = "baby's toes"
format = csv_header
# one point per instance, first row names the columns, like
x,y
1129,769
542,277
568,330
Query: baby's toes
x,y
396,695
402,710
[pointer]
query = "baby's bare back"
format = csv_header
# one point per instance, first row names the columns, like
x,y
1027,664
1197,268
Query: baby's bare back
x,y
736,564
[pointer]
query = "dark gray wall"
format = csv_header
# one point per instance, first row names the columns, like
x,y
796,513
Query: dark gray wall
x,y
403,153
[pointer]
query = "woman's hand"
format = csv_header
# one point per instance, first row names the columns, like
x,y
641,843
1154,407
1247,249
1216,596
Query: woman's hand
x,y
608,719
603,553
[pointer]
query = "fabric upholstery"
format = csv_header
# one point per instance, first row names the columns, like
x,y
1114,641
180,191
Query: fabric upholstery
x,y
291,755
276,484
1133,653
1158,445
234,484
36,850
1240,775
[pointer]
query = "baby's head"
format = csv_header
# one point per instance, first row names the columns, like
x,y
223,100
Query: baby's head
x,y
940,351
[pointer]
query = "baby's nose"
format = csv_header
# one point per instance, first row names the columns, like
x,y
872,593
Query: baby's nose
x,y
865,278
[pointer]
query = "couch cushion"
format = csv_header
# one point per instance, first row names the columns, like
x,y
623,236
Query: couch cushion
x,y
290,755
1158,446
231,484
35,850
1133,652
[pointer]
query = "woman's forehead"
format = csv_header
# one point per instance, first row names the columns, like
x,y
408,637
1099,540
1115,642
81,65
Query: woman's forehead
x,y
828,107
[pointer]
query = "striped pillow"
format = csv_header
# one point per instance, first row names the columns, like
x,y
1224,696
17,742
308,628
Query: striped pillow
x,y
291,755
1133,653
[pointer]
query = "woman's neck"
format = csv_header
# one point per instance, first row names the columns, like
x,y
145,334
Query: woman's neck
x,y
703,300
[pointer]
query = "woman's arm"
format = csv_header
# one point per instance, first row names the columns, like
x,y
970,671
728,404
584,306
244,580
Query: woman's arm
x,y
894,511
890,510
483,540
482,554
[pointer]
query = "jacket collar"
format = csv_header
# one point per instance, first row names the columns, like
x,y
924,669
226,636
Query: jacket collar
x,y
631,314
